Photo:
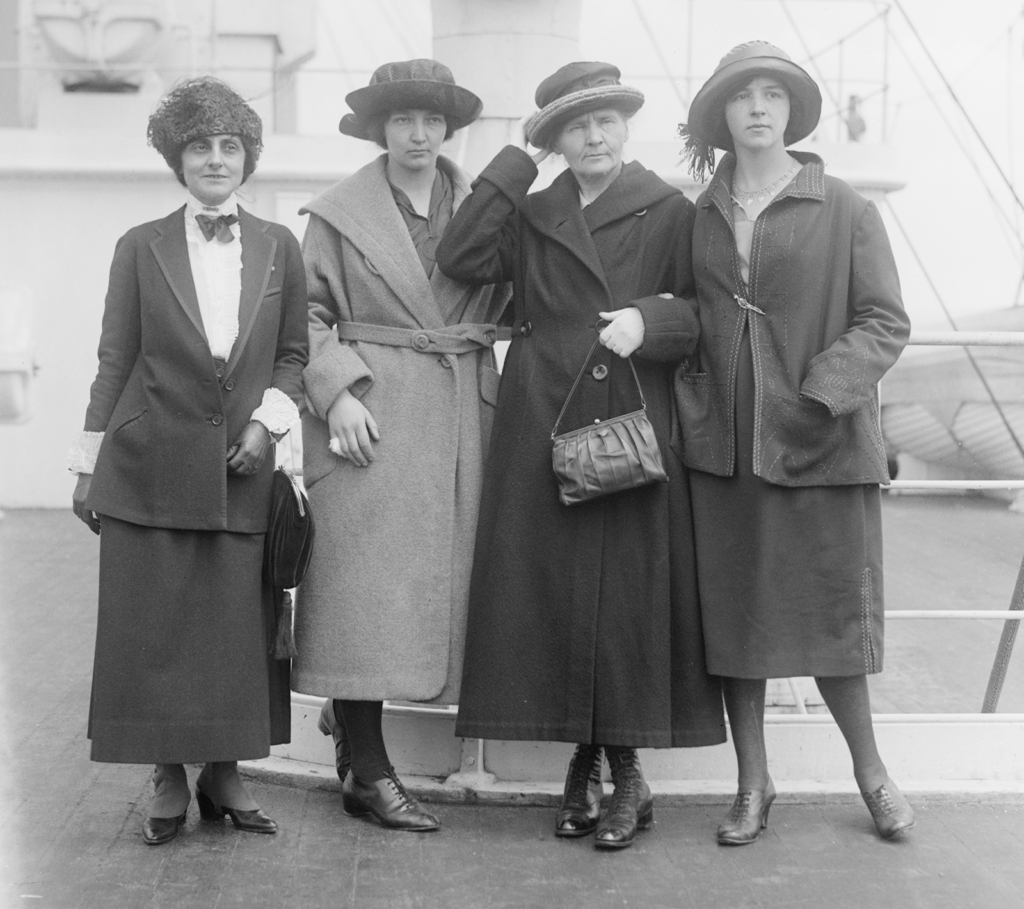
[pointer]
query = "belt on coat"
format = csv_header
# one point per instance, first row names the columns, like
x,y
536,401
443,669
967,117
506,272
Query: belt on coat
x,y
456,339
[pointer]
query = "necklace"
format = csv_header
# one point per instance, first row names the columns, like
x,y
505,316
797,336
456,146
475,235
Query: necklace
x,y
749,196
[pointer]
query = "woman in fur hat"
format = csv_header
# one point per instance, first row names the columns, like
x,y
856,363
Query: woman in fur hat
x,y
401,387
200,368
801,315
584,625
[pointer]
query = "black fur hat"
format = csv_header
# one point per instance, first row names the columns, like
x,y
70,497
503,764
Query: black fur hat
x,y
199,107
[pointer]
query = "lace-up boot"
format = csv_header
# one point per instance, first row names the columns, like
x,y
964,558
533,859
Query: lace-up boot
x,y
581,798
632,805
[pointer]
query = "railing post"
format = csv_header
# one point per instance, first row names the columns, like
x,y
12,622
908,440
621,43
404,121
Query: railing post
x,y
1005,649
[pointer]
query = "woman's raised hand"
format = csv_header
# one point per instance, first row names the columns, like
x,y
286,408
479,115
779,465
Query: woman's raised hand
x,y
518,139
353,429
624,332
78,497
245,456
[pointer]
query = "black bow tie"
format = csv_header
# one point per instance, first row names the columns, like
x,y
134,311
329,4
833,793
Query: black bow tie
x,y
219,227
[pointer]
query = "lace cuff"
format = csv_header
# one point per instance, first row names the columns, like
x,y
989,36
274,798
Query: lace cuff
x,y
82,454
277,411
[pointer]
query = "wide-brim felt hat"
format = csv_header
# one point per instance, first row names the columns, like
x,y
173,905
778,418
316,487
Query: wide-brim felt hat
x,y
706,119
574,89
409,85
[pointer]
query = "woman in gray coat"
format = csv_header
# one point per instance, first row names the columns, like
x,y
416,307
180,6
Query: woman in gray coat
x,y
401,388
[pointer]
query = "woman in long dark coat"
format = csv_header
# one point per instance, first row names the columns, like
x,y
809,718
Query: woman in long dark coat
x,y
801,315
200,363
583,623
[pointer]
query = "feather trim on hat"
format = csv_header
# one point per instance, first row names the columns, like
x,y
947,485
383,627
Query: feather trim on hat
x,y
700,154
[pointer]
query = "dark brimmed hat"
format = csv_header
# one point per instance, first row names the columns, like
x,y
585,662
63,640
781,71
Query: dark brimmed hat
x,y
578,88
706,128
199,107
410,84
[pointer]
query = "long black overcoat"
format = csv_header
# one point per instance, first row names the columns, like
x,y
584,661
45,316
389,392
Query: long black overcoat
x,y
583,622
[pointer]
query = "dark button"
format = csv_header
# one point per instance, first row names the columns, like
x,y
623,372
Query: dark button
x,y
421,342
599,372
216,419
446,361
490,337
230,384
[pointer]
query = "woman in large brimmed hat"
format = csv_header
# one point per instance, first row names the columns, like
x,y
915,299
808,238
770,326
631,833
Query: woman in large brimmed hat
x,y
801,315
401,386
583,624
200,364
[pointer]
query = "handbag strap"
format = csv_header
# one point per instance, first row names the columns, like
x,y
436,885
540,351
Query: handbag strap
x,y
575,385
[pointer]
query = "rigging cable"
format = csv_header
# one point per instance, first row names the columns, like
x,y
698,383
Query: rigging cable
x,y
821,76
661,57
963,110
942,303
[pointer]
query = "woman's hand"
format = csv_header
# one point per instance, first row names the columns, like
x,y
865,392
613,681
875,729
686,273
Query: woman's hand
x,y
518,139
353,429
246,456
625,332
78,497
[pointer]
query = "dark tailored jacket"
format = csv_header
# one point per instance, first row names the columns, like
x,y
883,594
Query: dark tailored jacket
x,y
831,323
583,621
168,414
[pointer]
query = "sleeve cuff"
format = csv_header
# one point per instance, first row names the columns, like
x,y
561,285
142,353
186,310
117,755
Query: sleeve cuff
x,y
277,411
82,454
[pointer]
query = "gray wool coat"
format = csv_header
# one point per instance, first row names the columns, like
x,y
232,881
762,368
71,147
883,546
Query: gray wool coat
x,y
382,610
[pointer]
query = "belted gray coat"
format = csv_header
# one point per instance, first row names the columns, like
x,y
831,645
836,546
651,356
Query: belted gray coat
x,y
381,613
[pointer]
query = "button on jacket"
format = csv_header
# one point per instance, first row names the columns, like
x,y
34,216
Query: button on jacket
x,y
832,322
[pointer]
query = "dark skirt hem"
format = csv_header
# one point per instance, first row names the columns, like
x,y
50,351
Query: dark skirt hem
x,y
690,738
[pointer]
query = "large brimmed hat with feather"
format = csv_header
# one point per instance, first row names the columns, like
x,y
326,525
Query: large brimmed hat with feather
x,y
706,129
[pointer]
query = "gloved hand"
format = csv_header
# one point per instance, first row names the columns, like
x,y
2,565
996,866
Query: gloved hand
x,y
78,497
246,456
625,331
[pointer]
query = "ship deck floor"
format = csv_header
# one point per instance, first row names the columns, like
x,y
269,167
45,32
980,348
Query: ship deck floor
x,y
70,831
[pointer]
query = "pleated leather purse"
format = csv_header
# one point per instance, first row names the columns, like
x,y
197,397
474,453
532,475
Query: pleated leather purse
x,y
611,456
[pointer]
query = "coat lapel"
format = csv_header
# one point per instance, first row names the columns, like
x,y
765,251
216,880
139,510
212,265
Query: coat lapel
x,y
555,212
258,252
171,252
451,296
363,210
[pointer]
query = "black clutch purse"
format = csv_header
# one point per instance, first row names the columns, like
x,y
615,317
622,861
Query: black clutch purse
x,y
610,456
287,549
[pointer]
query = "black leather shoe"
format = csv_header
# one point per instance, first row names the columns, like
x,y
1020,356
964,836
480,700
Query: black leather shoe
x,y
388,801
632,805
747,817
891,811
581,798
328,724
157,830
255,820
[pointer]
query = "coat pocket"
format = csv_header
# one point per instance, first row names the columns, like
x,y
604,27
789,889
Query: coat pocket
x,y
802,441
132,422
699,435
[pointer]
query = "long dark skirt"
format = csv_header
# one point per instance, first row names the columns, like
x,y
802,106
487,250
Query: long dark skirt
x,y
790,577
182,672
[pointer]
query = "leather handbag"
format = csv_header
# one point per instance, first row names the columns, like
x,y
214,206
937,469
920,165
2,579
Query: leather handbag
x,y
610,456
287,549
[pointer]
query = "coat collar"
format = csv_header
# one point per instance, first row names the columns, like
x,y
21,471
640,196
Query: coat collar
x,y
362,209
555,212
809,183
171,251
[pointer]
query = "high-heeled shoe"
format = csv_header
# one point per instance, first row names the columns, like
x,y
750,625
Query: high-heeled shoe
x,y
632,805
254,820
891,811
581,797
158,830
328,724
747,817
388,801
